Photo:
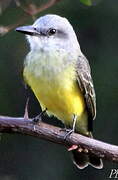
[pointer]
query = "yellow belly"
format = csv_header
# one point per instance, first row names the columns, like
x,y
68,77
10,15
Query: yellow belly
x,y
60,94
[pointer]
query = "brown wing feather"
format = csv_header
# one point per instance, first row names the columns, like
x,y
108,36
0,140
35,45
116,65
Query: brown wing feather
x,y
86,85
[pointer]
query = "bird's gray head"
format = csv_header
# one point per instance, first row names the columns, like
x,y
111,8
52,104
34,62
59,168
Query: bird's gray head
x,y
51,31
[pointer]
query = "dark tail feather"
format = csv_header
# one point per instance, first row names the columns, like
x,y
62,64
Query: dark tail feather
x,y
82,160
95,161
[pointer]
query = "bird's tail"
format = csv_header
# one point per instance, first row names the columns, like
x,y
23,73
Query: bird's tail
x,y
82,160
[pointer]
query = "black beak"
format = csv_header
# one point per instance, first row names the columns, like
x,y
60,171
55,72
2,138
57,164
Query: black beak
x,y
29,30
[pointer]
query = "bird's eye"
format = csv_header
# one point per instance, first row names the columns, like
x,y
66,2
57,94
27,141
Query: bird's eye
x,y
51,31
35,28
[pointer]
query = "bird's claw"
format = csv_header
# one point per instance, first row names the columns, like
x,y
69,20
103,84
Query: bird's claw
x,y
68,133
36,120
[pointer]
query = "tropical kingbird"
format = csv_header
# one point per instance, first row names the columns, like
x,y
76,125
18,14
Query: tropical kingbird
x,y
60,77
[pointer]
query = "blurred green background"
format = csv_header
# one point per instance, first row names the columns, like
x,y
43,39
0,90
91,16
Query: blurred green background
x,y
28,158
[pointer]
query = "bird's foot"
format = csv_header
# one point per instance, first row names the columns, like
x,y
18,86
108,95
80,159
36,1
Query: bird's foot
x,y
68,133
36,120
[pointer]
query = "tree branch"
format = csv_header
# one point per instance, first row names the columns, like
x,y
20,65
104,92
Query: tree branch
x,y
30,11
56,135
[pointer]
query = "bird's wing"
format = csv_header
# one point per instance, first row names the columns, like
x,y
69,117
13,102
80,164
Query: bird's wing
x,y
85,83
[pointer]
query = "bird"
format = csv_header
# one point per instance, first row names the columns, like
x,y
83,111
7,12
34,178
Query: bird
x,y
60,76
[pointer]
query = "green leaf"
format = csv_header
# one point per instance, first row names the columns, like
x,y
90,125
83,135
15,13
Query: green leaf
x,y
86,2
